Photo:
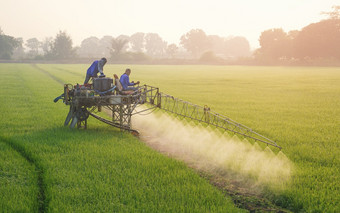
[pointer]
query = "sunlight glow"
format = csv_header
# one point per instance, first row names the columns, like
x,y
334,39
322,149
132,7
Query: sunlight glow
x,y
170,19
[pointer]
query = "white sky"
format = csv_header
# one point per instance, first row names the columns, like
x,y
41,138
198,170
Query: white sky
x,y
169,18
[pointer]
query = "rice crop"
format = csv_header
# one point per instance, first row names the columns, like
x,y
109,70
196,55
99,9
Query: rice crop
x,y
101,169
298,107
18,181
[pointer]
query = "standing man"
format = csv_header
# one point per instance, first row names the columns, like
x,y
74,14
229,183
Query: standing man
x,y
92,71
124,80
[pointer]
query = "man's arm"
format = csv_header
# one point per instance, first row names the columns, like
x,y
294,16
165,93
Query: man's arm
x,y
130,83
100,67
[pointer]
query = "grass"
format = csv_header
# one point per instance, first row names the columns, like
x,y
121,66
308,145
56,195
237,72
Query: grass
x,y
298,107
18,181
101,169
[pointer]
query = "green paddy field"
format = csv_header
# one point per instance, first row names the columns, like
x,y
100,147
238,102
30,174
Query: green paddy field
x,y
46,167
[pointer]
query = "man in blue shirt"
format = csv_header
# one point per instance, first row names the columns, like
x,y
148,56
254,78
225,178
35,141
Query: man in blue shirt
x,y
124,80
92,71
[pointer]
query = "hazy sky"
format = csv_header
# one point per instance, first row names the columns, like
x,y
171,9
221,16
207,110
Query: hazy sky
x,y
169,18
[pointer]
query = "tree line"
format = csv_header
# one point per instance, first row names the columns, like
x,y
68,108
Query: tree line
x,y
139,46
317,43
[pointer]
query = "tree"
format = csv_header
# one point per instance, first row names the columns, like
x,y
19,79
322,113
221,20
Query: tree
x,y
7,45
19,51
105,44
316,42
127,45
236,47
291,44
319,40
172,50
62,46
154,45
196,42
210,57
46,46
33,44
89,48
117,46
217,44
275,44
137,42
335,14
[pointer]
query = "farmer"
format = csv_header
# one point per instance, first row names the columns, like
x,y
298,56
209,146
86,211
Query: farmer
x,y
124,80
92,71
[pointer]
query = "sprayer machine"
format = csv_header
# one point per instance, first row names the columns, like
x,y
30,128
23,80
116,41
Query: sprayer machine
x,y
107,93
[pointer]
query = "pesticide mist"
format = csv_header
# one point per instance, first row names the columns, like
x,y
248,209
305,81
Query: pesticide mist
x,y
209,150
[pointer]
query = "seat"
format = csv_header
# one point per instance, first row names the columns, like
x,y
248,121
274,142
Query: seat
x,y
119,87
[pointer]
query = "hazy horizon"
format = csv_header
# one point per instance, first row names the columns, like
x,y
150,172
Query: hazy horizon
x,y
170,19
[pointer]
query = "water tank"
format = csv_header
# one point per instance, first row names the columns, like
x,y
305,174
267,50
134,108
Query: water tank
x,y
102,84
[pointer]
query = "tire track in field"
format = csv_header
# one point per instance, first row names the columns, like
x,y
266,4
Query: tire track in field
x,y
43,202
70,72
41,198
49,74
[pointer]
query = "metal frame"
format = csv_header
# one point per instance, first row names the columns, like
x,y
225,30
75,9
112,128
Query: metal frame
x,y
205,115
123,107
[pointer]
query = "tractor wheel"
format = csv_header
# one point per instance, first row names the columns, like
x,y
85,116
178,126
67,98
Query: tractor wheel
x,y
69,116
82,114
74,122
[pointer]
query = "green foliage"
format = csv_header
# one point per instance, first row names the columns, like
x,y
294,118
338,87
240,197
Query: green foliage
x,y
7,45
62,46
33,44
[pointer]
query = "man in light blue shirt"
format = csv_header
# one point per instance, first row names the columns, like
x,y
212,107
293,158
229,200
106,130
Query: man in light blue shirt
x,y
125,81
92,71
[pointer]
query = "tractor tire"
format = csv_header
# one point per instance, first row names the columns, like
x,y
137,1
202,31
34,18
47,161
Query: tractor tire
x,y
74,122
82,114
69,116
